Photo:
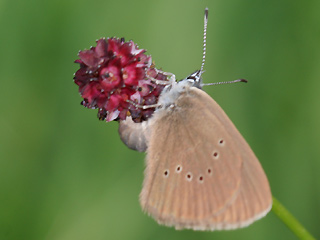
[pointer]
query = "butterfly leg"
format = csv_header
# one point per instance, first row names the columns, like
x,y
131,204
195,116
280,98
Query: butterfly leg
x,y
172,78
143,106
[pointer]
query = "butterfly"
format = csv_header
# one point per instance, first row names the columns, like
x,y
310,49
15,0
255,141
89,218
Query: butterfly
x,y
200,172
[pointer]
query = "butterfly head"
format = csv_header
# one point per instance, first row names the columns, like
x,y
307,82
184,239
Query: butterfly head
x,y
195,79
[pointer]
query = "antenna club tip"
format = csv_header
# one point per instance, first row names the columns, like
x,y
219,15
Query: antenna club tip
x,y
243,80
206,10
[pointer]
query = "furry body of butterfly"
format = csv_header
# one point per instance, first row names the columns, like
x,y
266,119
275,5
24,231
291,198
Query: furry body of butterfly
x,y
200,172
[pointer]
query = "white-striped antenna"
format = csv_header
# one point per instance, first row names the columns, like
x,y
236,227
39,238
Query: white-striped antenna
x,y
204,54
204,39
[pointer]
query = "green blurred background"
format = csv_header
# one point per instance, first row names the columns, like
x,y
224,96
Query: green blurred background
x,y
65,175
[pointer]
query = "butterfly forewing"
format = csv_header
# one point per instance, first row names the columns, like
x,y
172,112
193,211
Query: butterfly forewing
x,y
197,166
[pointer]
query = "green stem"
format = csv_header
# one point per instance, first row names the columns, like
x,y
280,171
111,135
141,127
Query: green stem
x,y
292,223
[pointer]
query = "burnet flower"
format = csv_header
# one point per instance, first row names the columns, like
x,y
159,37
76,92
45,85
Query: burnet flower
x,y
117,78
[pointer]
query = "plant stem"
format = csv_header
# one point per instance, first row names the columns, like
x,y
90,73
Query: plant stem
x,y
292,223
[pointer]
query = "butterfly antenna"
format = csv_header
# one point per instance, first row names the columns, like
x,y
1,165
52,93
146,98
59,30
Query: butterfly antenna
x,y
204,39
204,54
219,83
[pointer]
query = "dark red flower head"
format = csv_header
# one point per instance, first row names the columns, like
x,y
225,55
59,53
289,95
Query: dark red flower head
x,y
114,74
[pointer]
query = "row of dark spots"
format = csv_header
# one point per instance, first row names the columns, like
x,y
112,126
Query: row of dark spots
x,y
189,178
188,175
215,154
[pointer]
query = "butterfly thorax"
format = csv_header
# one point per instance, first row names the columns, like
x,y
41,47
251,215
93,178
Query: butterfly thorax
x,y
171,93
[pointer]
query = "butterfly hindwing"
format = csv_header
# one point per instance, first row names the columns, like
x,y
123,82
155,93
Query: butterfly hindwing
x,y
197,166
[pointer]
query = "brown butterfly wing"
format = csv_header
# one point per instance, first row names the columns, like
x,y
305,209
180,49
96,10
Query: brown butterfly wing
x,y
200,172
